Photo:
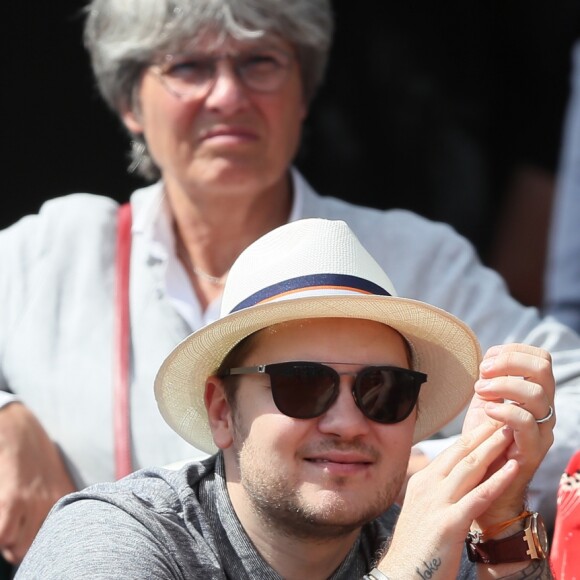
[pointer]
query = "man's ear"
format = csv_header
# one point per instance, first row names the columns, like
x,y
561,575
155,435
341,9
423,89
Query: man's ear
x,y
219,412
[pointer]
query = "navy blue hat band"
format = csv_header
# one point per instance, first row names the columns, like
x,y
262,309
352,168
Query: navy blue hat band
x,y
334,283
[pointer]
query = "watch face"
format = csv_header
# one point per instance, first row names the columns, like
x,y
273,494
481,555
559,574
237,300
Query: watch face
x,y
539,530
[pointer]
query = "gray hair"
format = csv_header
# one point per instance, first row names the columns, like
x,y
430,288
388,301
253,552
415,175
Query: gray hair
x,y
123,37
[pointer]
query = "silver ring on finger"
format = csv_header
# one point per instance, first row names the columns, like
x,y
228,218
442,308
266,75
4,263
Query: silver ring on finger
x,y
547,417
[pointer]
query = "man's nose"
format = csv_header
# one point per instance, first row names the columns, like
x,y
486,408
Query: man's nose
x,y
344,418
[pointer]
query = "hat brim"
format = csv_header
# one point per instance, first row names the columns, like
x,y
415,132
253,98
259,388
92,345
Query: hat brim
x,y
445,348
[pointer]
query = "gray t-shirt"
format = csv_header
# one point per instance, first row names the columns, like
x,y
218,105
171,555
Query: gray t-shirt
x,y
163,524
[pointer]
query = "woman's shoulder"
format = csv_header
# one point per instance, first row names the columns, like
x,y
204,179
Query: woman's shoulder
x,y
75,210
63,227
78,209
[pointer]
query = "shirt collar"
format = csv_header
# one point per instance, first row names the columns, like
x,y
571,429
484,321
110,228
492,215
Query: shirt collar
x,y
153,221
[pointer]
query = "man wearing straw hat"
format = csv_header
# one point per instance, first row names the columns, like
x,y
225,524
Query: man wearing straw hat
x,y
312,387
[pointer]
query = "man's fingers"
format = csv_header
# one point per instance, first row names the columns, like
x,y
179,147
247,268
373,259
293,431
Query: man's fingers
x,y
472,469
531,439
483,496
524,392
532,363
499,349
450,457
463,465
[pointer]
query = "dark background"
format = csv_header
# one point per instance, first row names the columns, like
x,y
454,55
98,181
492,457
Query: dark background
x,y
451,109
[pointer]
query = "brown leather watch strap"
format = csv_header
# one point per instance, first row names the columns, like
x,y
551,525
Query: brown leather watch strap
x,y
512,549
527,544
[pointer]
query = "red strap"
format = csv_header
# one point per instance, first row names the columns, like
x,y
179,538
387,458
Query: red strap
x,y
121,345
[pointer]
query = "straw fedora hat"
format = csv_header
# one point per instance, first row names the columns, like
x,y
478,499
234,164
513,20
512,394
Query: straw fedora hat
x,y
317,268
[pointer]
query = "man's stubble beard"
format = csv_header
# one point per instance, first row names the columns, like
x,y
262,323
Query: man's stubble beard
x,y
279,504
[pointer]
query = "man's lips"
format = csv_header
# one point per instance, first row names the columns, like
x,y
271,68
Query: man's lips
x,y
341,458
340,465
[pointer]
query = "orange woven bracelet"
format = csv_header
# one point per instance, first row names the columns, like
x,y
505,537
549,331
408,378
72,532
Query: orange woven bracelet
x,y
497,528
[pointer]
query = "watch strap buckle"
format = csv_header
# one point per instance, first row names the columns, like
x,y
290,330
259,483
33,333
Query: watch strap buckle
x,y
474,537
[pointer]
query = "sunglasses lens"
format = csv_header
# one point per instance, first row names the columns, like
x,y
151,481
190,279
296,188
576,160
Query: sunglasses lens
x,y
303,390
387,395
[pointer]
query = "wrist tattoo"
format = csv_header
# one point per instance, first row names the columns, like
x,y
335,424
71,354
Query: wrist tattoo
x,y
428,569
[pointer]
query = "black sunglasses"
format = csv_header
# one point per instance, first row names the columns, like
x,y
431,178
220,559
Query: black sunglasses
x,y
305,390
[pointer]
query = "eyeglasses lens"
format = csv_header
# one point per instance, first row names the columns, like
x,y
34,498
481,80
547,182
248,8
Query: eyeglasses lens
x,y
303,391
386,395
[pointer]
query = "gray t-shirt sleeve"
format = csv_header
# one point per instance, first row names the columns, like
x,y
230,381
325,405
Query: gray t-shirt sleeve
x,y
150,524
75,543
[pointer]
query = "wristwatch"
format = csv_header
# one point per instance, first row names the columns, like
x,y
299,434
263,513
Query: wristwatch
x,y
531,543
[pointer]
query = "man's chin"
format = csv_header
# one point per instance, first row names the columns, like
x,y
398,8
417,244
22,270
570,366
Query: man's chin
x,y
329,514
317,525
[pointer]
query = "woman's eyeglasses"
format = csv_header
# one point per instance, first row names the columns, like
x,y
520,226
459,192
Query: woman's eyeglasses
x,y
192,76
305,390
